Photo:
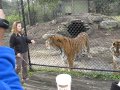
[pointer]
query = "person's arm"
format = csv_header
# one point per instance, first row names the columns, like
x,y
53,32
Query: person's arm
x,y
12,41
8,77
30,40
4,86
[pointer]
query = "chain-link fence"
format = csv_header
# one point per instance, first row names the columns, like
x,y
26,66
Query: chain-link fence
x,y
99,18
37,11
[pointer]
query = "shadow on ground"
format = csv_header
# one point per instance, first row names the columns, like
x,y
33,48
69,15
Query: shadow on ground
x,y
46,81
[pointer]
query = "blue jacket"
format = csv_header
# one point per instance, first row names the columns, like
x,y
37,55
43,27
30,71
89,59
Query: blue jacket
x,y
9,80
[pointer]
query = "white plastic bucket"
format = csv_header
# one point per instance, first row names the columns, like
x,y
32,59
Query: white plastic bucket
x,y
119,83
63,82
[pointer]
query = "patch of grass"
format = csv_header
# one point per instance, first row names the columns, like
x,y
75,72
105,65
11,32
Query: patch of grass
x,y
92,75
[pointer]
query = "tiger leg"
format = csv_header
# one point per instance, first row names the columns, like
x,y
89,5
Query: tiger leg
x,y
63,57
88,49
78,56
115,62
114,65
70,62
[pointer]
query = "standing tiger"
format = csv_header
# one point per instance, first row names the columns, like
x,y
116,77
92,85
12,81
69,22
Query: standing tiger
x,y
70,47
115,49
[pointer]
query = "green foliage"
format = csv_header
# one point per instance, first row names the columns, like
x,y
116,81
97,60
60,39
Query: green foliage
x,y
92,75
12,18
47,1
104,6
5,3
40,10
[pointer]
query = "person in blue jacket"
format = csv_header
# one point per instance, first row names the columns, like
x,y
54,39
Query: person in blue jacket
x,y
9,80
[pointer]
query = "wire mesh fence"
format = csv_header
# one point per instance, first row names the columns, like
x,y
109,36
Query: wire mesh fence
x,y
99,18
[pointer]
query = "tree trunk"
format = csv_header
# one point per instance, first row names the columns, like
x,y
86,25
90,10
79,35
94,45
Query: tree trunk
x,y
0,4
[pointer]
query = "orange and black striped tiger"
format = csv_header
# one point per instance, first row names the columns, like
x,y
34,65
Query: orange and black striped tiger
x,y
115,48
70,47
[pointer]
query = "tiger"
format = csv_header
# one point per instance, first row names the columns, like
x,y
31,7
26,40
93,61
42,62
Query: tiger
x,y
70,47
115,49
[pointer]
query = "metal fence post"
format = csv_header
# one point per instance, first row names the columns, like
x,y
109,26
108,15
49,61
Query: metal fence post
x,y
23,17
29,14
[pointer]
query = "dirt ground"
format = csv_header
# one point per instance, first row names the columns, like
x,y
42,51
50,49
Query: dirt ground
x,y
46,81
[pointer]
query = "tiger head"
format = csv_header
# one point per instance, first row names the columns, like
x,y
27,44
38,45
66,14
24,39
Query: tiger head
x,y
54,41
116,48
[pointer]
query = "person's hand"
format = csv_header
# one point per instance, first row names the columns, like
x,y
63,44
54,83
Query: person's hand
x,y
33,41
18,55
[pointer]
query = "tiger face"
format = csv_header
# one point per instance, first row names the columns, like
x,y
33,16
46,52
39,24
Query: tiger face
x,y
55,41
115,48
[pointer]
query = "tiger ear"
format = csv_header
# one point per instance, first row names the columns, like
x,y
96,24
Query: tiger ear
x,y
61,40
65,39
